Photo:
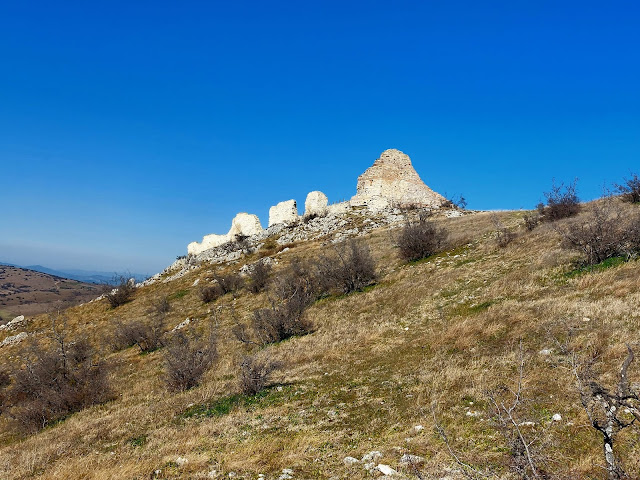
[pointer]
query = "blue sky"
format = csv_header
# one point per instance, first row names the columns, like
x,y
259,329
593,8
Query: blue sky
x,y
129,129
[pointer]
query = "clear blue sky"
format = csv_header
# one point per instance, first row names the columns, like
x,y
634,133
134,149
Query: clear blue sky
x,y
128,129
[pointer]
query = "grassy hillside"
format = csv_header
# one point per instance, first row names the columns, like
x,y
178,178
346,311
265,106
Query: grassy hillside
x,y
434,341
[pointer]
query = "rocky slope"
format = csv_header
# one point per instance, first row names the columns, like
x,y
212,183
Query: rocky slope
x,y
385,370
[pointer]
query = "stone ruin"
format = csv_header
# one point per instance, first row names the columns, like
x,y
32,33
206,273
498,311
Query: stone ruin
x,y
391,182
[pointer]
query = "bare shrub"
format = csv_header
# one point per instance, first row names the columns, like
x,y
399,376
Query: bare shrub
x,y
531,221
562,202
604,232
255,373
161,306
504,236
421,239
122,293
609,410
55,382
148,336
230,282
259,276
630,189
187,360
349,269
290,294
210,293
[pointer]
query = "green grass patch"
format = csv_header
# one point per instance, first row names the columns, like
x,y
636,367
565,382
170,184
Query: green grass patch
x,y
223,406
464,309
598,267
138,441
178,294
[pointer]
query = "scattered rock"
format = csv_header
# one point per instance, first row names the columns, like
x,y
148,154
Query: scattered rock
x,y
371,456
545,351
556,417
181,325
350,461
412,459
418,428
180,461
386,469
14,339
16,322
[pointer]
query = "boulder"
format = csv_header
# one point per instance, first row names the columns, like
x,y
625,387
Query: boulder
x,y
316,204
284,212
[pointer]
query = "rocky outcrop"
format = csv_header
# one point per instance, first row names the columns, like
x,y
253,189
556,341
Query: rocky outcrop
x,y
284,212
244,224
316,204
393,178
389,183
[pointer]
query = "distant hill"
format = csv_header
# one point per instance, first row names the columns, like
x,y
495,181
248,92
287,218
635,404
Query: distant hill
x,y
88,276
30,292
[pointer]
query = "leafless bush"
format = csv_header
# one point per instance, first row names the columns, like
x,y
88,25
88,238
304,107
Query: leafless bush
x,y
630,189
210,293
230,282
148,336
255,373
161,306
350,268
609,410
290,294
508,407
122,293
55,382
531,221
504,236
421,239
604,232
259,276
187,360
562,202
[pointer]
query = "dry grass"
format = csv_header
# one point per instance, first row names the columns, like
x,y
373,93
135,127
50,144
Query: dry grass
x,y
444,329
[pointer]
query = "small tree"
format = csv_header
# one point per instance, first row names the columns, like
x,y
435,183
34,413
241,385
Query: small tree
x,y
187,360
421,239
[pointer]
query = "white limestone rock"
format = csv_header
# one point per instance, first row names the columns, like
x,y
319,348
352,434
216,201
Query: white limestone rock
x,y
393,178
245,224
316,204
242,224
339,208
386,470
15,323
284,212
14,339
